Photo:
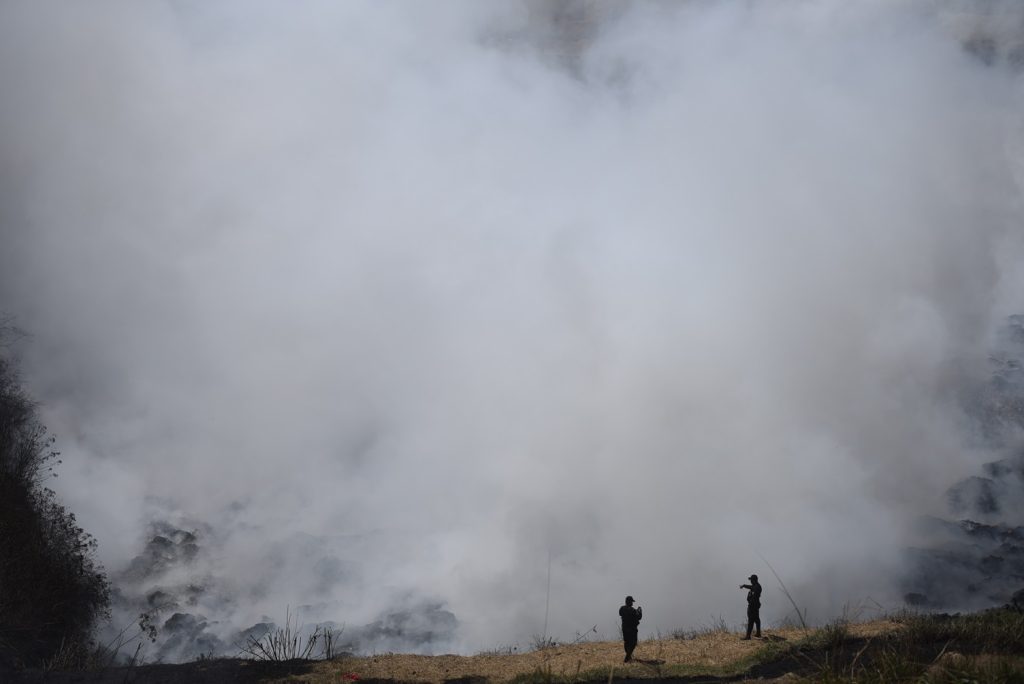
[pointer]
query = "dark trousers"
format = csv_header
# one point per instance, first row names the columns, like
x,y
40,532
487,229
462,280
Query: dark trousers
x,y
629,641
753,618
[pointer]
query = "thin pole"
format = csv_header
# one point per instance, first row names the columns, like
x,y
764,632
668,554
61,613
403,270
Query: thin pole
x,y
547,600
784,590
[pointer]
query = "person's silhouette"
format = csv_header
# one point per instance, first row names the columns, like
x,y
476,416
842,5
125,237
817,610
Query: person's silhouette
x,y
630,625
753,606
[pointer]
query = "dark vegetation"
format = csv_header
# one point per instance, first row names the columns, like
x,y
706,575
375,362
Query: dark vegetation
x,y
51,590
979,647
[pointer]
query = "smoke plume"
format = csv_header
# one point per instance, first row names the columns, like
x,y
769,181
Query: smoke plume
x,y
401,304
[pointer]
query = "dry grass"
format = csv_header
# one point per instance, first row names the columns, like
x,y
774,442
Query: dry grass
x,y
710,652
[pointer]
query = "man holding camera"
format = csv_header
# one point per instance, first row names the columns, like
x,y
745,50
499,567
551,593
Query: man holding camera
x,y
630,625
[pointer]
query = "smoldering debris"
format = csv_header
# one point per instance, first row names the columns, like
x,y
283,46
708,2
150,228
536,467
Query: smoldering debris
x,y
968,566
194,613
976,560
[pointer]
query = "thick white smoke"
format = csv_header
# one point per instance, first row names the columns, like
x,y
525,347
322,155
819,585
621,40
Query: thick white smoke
x,y
403,298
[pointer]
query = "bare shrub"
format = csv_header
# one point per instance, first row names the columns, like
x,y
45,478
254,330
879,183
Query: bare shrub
x,y
290,643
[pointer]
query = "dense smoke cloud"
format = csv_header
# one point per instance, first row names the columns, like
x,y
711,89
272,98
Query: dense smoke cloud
x,y
403,299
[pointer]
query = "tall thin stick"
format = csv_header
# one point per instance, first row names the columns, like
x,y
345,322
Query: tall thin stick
x,y
547,600
784,590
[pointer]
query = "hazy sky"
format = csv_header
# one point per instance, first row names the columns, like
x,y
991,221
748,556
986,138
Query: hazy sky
x,y
452,286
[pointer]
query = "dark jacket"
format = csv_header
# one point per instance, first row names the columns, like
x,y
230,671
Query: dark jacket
x,y
630,618
754,595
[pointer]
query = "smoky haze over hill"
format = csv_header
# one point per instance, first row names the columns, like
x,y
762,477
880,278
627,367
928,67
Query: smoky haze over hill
x,y
387,303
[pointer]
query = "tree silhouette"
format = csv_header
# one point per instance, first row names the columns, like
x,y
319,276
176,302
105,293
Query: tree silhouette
x,y
51,591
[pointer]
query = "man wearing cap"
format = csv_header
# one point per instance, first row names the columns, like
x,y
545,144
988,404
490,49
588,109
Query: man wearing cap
x,y
630,623
753,606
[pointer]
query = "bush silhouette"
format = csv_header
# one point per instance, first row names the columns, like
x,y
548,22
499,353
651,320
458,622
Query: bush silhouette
x,y
51,591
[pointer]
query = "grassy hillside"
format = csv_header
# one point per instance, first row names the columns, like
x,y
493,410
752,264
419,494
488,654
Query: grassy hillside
x,y
712,652
980,647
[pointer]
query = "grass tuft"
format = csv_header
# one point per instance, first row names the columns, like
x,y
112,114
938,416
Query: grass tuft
x,y
715,626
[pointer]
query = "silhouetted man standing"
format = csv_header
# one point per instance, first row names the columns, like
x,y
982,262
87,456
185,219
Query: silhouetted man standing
x,y
630,624
753,606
